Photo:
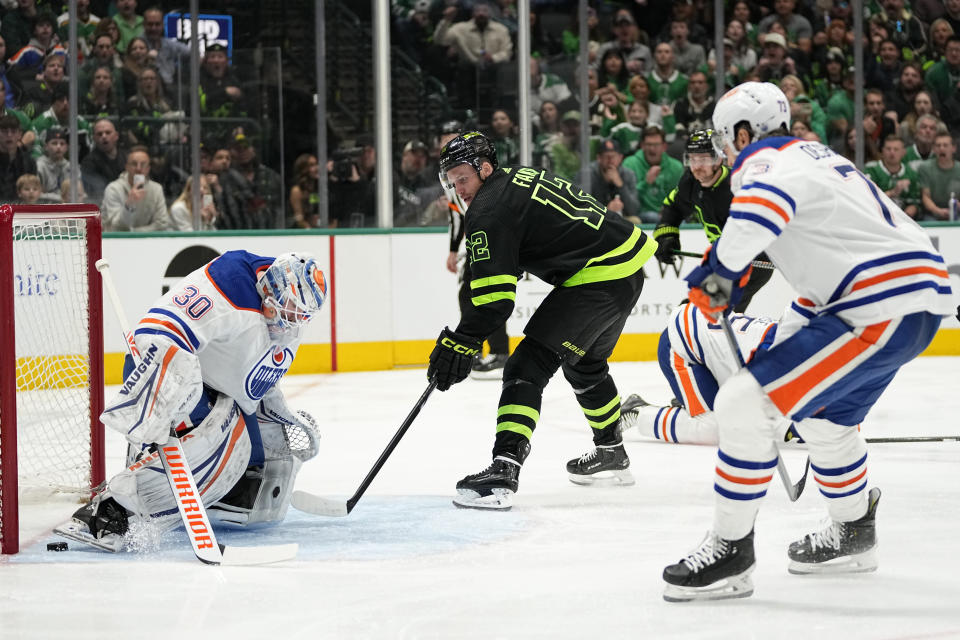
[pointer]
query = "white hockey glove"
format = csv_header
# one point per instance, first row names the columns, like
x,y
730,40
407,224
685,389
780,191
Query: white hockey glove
x,y
156,396
274,407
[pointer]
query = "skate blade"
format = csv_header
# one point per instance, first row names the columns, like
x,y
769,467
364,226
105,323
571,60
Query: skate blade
x,y
499,500
740,586
857,563
622,478
73,531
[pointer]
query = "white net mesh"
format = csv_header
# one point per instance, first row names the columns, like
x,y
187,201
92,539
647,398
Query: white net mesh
x,y
52,346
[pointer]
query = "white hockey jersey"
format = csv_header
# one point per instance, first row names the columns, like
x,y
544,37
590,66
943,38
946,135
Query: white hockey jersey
x,y
215,314
839,241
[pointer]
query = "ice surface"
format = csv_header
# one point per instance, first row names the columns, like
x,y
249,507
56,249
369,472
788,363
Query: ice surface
x,y
566,562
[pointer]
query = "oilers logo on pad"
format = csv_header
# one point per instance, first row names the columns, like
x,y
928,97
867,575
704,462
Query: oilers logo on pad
x,y
267,372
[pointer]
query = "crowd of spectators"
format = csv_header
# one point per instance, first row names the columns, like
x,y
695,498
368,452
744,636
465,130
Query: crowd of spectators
x,y
650,85
650,76
131,129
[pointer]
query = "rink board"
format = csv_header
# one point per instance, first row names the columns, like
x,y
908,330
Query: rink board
x,y
390,293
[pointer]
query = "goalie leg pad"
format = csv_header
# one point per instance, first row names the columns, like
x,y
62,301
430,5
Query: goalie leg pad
x,y
262,495
157,394
217,451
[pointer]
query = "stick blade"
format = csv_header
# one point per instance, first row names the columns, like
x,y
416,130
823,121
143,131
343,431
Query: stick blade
x,y
241,556
309,503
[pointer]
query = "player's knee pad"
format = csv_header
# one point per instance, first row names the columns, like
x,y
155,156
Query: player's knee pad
x,y
747,419
584,374
262,495
217,452
530,362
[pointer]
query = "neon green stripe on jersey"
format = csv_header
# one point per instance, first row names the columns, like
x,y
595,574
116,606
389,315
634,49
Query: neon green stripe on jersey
x,y
608,421
493,297
492,280
516,427
604,409
604,273
520,410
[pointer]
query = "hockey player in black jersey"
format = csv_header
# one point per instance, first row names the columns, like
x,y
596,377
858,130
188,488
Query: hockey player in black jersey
x,y
703,195
523,219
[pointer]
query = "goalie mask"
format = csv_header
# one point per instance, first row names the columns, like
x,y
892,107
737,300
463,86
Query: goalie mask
x,y
471,148
292,289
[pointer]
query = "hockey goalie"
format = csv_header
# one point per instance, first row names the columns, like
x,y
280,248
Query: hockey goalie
x,y
211,352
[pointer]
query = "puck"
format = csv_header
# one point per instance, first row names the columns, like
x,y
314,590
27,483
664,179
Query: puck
x,y
57,546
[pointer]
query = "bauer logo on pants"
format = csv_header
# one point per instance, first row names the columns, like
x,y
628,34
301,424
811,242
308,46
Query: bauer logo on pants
x,y
267,372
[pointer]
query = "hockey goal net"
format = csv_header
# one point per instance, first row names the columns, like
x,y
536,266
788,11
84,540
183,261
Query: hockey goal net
x,y
51,357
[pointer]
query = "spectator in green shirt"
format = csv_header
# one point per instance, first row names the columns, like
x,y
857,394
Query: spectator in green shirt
x,y
895,178
657,173
940,178
129,23
944,76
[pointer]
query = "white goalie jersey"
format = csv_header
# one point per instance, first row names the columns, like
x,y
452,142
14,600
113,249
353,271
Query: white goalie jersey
x,y
839,241
215,314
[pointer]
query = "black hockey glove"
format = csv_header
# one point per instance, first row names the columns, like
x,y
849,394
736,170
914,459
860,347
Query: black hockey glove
x,y
668,241
452,358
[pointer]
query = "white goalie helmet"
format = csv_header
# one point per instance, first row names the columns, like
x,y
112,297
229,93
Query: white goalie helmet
x,y
762,105
292,290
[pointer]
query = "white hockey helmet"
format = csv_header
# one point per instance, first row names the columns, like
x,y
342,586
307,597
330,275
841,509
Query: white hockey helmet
x,y
292,290
761,105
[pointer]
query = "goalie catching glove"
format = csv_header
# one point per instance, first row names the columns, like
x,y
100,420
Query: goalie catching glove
x,y
452,359
157,395
714,289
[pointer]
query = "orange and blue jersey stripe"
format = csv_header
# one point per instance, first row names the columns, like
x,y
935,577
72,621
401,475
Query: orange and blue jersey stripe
x,y
899,273
742,480
763,204
166,323
840,482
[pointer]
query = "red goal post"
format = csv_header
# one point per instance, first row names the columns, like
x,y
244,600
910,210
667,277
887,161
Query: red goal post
x,y
51,357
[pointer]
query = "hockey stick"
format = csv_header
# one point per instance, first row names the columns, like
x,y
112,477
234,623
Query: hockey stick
x,y
759,264
793,490
320,506
913,439
182,483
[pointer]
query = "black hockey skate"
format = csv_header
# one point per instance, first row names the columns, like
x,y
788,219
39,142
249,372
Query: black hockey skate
x,y
630,410
842,547
606,464
101,523
718,570
492,488
489,367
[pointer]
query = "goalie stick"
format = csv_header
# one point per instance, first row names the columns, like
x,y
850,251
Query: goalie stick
x,y
758,264
182,483
793,490
320,506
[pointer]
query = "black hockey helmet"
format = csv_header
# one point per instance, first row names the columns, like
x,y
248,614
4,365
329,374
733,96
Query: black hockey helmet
x,y
471,148
701,141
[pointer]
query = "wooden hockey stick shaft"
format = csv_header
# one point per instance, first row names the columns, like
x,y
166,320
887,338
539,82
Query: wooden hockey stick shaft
x,y
759,264
182,483
793,490
318,505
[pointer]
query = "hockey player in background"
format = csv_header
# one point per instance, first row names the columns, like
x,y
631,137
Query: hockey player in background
x,y
872,291
703,195
212,351
525,219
